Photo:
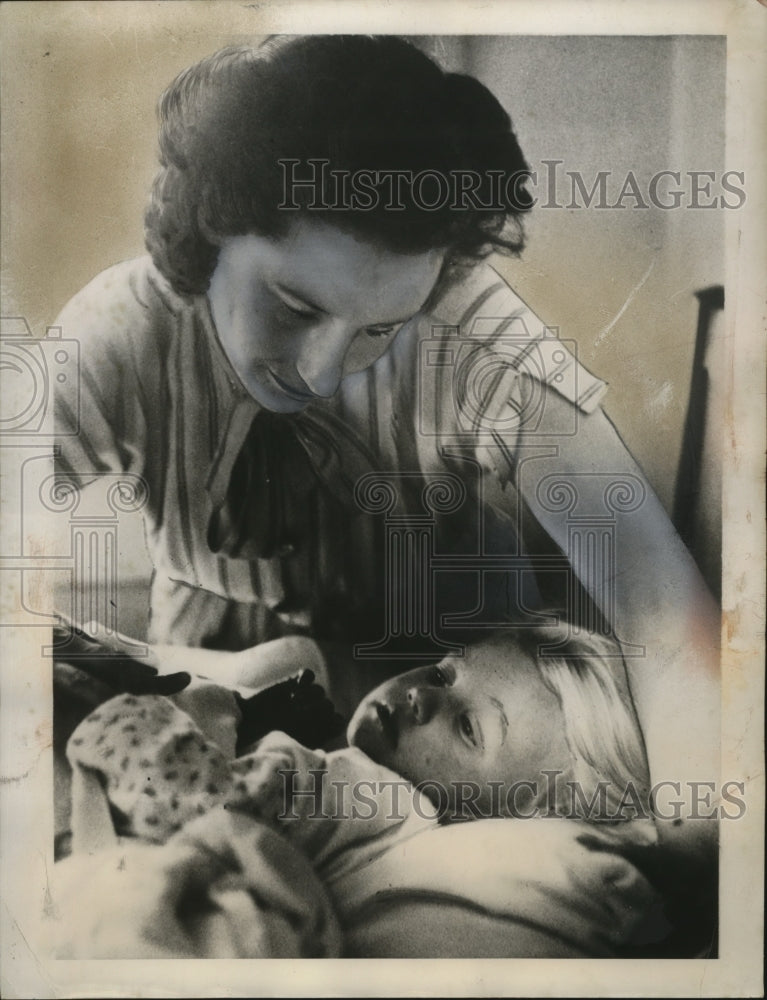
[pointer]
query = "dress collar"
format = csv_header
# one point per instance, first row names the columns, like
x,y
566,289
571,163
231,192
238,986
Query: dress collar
x,y
236,406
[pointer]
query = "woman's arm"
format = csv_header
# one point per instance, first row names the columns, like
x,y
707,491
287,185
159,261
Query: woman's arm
x,y
654,596
101,417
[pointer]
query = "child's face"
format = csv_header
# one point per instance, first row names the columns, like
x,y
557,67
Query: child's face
x,y
484,717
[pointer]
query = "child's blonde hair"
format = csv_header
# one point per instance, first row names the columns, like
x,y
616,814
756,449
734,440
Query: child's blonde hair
x,y
609,775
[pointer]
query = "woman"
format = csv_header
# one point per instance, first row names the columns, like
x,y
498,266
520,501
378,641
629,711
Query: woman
x,y
249,308
347,425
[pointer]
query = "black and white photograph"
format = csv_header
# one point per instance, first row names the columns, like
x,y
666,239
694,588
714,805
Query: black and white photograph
x,y
383,498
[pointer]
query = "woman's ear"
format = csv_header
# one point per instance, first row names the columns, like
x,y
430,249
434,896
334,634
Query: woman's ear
x,y
211,235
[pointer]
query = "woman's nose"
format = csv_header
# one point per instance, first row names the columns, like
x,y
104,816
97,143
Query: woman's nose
x,y
421,703
321,359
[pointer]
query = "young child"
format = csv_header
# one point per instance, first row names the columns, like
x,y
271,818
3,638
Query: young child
x,y
504,728
287,850
509,729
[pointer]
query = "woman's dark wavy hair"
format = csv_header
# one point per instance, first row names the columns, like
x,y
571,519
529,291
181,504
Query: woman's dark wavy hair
x,y
360,102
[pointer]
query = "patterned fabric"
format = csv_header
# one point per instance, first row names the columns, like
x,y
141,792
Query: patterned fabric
x,y
158,771
158,398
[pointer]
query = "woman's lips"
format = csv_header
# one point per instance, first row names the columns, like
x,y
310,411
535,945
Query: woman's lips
x,y
290,390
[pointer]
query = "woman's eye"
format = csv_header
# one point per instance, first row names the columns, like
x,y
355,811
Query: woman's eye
x,y
467,729
293,307
296,311
379,331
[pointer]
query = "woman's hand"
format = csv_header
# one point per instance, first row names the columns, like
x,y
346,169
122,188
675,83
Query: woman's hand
x,y
235,698
114,662
162,669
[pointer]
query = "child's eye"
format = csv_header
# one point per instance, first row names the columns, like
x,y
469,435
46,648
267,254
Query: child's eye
x,y
467,729
440,678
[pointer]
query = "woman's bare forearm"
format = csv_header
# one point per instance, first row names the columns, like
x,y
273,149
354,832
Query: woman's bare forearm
x,y
653,595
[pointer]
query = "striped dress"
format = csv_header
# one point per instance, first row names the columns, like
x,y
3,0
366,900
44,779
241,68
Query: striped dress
x,y
412,462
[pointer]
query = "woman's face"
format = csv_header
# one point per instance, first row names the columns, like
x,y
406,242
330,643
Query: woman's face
x,y
484,717
297,314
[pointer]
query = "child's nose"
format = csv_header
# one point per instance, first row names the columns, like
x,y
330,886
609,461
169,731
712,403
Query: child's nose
x,y
421,704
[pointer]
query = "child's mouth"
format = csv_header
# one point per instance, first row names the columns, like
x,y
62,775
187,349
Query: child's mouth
x,y
387,723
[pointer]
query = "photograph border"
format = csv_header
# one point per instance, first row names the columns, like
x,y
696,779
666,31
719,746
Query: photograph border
x,y
25,707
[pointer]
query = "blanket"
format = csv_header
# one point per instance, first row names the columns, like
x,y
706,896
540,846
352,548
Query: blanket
x,y
226,886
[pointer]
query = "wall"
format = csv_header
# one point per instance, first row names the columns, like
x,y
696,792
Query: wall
x,y
620,282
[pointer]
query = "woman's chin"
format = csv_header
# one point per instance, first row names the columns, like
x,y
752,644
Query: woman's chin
x,y
275,401
262,387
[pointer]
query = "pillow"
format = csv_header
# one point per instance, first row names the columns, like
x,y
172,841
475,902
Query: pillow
x,y
501,888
